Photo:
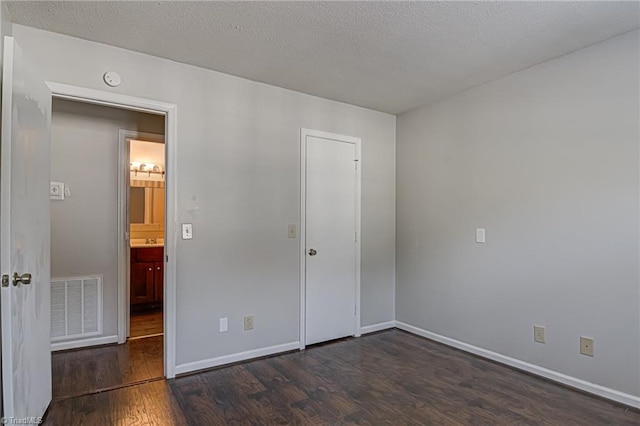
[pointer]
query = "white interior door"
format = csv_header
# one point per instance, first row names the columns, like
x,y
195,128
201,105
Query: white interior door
x,y
24,237
331,252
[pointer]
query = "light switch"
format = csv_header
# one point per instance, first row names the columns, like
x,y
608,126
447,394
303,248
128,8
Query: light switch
x,y
187,231
480,235
292,231
224,325
56,191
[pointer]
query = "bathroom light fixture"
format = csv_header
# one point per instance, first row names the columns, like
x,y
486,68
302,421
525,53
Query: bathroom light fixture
x,y
148,168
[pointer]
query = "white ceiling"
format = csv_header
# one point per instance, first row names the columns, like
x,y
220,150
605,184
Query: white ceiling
x,y
389,56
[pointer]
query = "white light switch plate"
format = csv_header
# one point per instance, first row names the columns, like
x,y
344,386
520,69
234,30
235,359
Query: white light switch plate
x,y
224,325
480,235
292,231
56,190
187,231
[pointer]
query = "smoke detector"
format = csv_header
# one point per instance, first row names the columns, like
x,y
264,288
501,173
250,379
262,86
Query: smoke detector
x,y
112,78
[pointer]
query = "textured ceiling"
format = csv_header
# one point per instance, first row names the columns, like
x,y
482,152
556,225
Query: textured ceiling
x,y
389,56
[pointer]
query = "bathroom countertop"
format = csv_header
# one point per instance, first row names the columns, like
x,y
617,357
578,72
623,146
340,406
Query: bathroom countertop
x,y
142,243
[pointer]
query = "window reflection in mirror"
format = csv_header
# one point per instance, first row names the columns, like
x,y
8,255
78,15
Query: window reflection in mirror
x,y
136,204
146,203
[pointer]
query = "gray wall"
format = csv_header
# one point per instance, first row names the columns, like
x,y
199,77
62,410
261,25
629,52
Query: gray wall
x,y
84,156
546,160
238,183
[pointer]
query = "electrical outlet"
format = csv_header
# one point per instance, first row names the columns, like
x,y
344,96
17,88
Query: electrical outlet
x,y
481,235
224,325
248,322
538,333
586,346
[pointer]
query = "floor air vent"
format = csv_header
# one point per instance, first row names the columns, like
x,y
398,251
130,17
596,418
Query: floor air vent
x,y
76,307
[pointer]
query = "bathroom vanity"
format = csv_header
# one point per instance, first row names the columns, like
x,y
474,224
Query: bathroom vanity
x,y
147,276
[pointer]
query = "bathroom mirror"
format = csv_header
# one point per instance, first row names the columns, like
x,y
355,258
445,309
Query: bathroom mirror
x,y
146,204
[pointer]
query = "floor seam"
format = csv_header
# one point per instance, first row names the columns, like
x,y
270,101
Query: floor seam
x,y
109,389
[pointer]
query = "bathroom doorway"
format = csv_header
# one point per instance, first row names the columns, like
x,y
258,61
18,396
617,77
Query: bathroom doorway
x,y
145,216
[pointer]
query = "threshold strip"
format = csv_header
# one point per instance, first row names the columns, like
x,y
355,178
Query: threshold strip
x,y
144,337
110,388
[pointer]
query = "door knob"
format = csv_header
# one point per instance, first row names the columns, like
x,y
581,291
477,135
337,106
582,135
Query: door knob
x,y
24,278
312,252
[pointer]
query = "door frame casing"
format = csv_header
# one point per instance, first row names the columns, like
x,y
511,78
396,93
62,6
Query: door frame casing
x,y
124,258
304,134
170,112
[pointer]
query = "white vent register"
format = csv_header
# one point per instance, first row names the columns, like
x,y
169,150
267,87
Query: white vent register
x,y
76,307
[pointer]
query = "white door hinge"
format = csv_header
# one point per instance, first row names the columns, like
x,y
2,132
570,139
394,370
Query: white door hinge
x,y
356,163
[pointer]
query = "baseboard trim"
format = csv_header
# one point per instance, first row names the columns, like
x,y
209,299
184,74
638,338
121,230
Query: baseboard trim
x,y
240,356
83,343
574,382
377,327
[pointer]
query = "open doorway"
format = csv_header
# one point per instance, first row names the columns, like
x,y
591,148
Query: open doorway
x,y
145,215
89,266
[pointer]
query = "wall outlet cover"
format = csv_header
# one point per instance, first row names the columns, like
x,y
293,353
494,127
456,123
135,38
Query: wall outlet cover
x,y
538,334
586,346
248,322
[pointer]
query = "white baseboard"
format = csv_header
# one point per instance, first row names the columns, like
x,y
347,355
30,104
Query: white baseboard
x,y
82,343
574,382
377,327
241,356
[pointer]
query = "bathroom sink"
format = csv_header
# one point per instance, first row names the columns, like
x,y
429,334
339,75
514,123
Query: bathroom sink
x,y
143,242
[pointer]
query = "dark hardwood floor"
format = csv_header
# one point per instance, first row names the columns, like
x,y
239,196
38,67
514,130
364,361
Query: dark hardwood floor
x,y
145,324
82,371
385,378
